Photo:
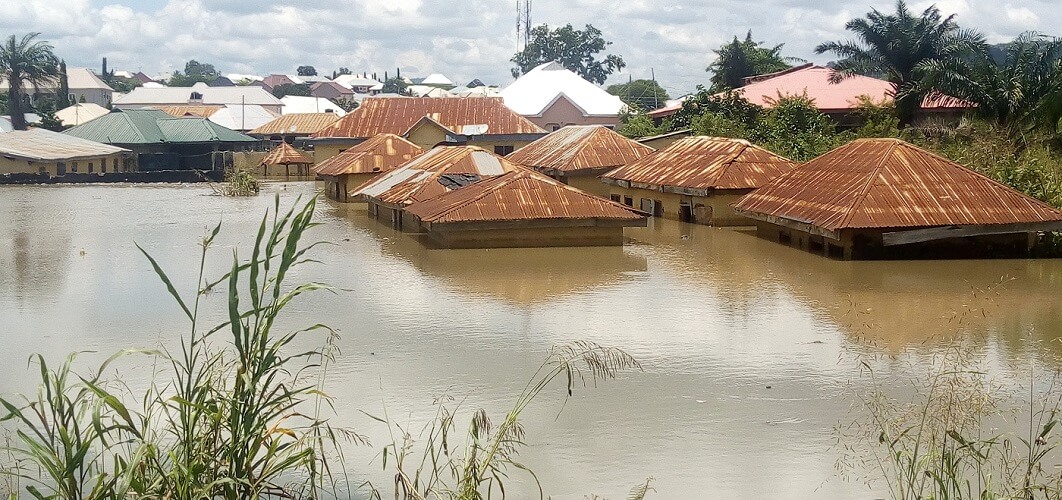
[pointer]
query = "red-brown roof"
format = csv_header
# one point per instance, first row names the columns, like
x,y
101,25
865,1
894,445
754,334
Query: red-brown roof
x,y
199,110
433,173
888,183
382,153
703,164
285,154
520,195
296,124
576,148
395,115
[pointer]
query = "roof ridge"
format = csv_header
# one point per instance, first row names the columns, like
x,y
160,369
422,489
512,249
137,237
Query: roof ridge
x,y
865,191
501,180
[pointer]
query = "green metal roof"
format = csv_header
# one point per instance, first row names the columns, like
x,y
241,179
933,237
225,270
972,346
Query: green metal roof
x,y
151,126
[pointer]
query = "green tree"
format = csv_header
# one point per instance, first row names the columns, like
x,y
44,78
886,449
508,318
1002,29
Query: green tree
x,y
395,86
306,71
795,128
194,72
640,94
731,106
574,49
46,108
299,89
744,58
636,125
63,97
903,48
26,61
340,72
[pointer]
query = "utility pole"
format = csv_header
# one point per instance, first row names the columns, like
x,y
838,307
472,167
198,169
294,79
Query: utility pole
x,y
656,102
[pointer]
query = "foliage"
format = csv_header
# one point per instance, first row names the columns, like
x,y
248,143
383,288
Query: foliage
x,y
491,450
645,95
740,59
903,48
123,85
240,182
306,71
194,72
46,110
63,94
347,104
876,119
636,125
731,106
574,49
342,71
395,85
793,127
298,89
26,61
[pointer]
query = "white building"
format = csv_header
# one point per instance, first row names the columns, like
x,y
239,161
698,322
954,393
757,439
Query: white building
x,y
300,104
552,97
84,86
198,94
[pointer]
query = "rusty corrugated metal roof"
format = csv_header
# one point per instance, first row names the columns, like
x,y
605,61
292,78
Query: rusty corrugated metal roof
x,y
296,123
419,179
576,148
888,183
520,195
382,153
286,154
395,115
200,110
704,163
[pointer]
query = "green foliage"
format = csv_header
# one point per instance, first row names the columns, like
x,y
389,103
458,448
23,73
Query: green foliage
x,y
574,49
194,72
342,71
876,119
240,182
298,89
46,110
729,105
306,71
903,48
348,105
63,94
644,95
637,125
793,127
740,59
395,85
123,85
26,61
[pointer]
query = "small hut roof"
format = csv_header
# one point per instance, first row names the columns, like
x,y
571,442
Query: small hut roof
x,y
382,153
286,154
574,148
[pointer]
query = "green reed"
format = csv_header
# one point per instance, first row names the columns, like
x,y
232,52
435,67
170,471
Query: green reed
x,y
240,182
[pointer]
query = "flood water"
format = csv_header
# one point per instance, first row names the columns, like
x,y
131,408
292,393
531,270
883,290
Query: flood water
x,y
715,316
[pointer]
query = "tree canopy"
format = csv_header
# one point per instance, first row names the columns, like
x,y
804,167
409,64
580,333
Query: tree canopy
x,y
645,95
902,47
395,85
30,61
574,49
298,89
740,59
306,71
194,72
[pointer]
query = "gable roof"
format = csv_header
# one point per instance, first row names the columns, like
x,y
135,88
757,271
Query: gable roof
x,y
423,177
80,113
151,126
332,85
888,183
296,123
37,144
379,154
200,110
242,117
574,148
350,81
76,78
302,104
537,90
145,96
435,79
519,195
396,115
286,154
703,164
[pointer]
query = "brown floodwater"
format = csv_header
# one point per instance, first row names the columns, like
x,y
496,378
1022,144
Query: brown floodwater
x,y
715,316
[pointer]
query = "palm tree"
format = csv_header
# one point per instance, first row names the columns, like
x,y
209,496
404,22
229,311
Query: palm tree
x,y
901,47
25,61
1015,92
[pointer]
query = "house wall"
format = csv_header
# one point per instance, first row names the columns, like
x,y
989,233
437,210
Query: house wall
x,y
590,183
96,165
101,97
529,237
322,152
339,188
563,113
663,142
331,93
713,210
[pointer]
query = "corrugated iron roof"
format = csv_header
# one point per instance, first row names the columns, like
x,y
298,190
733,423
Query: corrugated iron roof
x,y
382,153
419,179
296,123
705,163
151,126
395,115
888,183
576,148
44,145
200,110
199,130
286,154
520,195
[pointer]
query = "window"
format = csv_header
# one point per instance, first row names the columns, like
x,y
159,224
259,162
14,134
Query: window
x,y
73,167
103,166
90,167
503,150
60,168
658,208
614,197
71,98
195,96
627,200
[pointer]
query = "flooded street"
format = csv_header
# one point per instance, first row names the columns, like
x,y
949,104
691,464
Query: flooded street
x,y
751,351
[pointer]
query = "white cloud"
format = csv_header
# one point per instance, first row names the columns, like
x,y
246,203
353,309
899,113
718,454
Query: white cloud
x,y
463,39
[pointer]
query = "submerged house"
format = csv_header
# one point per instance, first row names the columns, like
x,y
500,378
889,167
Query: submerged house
x,y
553,96
198,94
578,154
40,151
696,179
874,198
287,128
356,166
163,141
522,208
427,122
431,174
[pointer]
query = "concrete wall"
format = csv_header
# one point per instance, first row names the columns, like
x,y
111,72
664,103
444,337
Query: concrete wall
x,y
589,183
530,237
100,164
323,152
563,113
101,97
713,210
339,189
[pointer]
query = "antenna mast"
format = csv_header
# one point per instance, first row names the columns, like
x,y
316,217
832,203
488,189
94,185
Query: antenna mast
x,y
523,24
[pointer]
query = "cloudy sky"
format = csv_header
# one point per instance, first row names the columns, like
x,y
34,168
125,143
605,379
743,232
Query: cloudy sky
x,y
462,39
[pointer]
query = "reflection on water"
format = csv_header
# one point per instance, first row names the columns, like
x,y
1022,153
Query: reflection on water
x,y
716,316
